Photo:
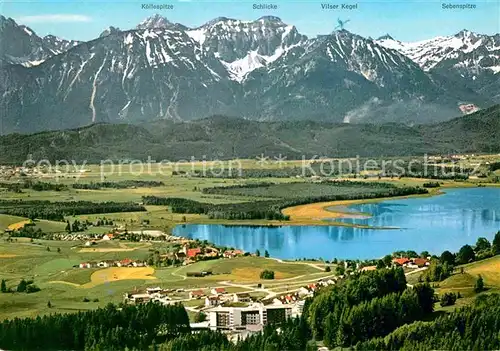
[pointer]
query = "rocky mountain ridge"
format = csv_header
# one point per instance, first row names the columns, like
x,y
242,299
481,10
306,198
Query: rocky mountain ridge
x,y
263,69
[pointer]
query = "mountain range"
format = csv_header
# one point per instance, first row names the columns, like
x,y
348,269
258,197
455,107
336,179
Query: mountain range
x,y
222,137
260,70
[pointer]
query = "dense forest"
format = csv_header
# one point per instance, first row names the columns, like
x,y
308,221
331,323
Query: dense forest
x,y
109,328
55,211
222,137
474,327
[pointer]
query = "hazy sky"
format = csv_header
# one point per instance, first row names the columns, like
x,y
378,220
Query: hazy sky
x,y
408,20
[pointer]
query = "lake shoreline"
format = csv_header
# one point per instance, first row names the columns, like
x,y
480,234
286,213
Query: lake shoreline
x,y
327,218
327,210
432,223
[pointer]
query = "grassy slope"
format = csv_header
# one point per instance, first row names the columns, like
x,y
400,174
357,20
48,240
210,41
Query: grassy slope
x,y
489,269
33,261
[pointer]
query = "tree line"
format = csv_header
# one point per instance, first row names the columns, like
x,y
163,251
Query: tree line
x,y
56,211
24,286
29,184
292,335
124,184
269,209
109,328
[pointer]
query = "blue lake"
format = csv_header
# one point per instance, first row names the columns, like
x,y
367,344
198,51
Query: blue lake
x,y
435,224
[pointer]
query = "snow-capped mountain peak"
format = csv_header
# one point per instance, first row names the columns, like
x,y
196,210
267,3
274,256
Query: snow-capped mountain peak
x,y
243,46
270,19
261,69
432,52
238,69
155,21
386,37
21,45
110,30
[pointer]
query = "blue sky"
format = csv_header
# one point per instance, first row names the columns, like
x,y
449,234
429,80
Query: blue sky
x,y
408,20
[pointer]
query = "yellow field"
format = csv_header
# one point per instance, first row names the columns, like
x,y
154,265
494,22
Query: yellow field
x,y
19,225
112,249
114,274
7,256
464,283
119,273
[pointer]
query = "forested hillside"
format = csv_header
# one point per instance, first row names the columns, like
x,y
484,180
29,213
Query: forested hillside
x,y
224,138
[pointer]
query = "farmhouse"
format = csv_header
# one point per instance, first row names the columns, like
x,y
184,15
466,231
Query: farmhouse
x,y
418,263
192,253
211,254
127,262
106,264
150,294
232,253
136,298
286,299
156,290
312,287
108,237
196,294
217,291
85,265
401,261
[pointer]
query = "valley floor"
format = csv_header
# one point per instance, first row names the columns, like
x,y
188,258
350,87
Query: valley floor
x,y
51,263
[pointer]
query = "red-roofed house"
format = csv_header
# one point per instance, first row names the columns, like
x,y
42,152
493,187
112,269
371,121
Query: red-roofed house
x,y
400,261
217,291
196,294
125,263
192,253
312,287
420,262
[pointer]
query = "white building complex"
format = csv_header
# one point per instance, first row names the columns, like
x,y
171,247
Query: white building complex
x,y
251,317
